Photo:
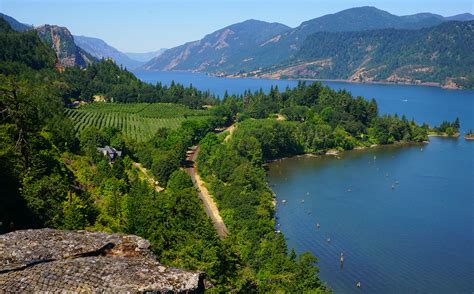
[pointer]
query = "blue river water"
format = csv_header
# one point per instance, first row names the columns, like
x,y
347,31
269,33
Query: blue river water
x,y
425,104
402,215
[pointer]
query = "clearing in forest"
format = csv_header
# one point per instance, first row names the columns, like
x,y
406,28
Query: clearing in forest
x,y
137,121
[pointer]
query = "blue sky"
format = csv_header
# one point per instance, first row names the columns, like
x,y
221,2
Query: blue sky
x,y
146,25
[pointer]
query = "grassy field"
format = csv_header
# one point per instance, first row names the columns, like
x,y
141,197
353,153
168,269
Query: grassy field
x,y
138,121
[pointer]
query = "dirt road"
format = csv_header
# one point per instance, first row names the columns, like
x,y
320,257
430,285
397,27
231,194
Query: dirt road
x,y
209,205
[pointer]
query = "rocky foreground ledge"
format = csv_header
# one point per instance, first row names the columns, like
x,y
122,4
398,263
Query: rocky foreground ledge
x,y
50,260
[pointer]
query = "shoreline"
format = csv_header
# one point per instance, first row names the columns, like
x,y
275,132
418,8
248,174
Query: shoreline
x,y
332,152
444,135
424,84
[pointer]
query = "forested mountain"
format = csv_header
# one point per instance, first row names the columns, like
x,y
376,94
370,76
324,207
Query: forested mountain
x,y
15,24
100,49
282,49
353,19
224,46
442,54
22,50
59,39
461,17
366,18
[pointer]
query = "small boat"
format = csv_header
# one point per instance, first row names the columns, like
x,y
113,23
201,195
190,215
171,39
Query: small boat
x,y
405,100
349,190
283,201
328,240
302,200
307,193
358,285
393,187
318,226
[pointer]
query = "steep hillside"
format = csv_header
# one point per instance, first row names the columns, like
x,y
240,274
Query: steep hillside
x,y
226,46
281,47
277,49
20,50
100,49
62,42
15,24
442,54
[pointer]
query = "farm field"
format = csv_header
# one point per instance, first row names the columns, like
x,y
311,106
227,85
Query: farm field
x,y
137,121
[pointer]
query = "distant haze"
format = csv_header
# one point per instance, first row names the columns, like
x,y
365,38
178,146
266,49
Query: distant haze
x,y
144,57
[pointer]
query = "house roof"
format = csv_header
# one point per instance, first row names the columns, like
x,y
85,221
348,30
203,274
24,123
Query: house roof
x,y
110,151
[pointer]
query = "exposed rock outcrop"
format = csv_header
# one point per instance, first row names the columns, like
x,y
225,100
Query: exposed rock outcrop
x,y
53,260
62,42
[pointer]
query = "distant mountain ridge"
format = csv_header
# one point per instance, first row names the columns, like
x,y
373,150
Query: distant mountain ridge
x,y
100,49
15,24
461,17
145,56
283,47
261,49
217,48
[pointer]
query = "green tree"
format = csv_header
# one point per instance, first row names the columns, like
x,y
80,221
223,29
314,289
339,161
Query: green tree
x,y
78,212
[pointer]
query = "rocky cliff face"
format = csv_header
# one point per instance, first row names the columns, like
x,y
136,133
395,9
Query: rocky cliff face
x,y
62,42
49,260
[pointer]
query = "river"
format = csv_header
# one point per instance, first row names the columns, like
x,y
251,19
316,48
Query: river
x,y
402,215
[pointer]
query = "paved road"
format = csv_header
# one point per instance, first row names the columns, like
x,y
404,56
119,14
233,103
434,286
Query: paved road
x,y
209,205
